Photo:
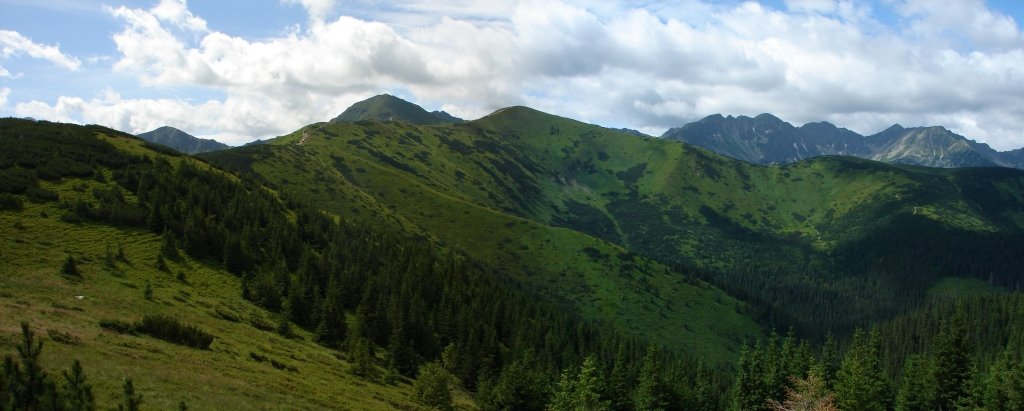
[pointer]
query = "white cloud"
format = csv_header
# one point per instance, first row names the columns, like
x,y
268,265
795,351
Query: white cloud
x,y
608,62
177,13
4,92
13,43
961,21
318,9
816,6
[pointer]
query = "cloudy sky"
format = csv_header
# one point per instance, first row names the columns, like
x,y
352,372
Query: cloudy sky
x,y
237,70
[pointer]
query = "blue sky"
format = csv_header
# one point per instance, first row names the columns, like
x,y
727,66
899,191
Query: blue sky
x,y
238,70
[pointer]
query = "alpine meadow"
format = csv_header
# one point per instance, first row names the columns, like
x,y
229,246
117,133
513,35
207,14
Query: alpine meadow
x,y
271,219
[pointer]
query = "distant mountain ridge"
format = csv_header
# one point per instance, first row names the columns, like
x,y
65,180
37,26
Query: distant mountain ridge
x,y
766,139
386,107
182,141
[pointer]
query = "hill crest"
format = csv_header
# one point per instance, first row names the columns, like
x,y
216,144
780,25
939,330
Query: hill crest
x,y
385,107
181,141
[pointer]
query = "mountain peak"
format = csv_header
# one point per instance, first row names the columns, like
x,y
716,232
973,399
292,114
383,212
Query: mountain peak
x,y
385,107
181,141
767,117
894,128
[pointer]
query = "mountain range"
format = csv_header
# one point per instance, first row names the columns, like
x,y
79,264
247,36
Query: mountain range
x,y
520,189
507,262
181,141
765,139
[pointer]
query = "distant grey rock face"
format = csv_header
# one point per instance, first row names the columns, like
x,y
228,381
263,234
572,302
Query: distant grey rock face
x,y
766,139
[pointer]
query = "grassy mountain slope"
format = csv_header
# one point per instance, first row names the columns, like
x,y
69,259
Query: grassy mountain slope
x,y
181,141
248,366
791,238
423,181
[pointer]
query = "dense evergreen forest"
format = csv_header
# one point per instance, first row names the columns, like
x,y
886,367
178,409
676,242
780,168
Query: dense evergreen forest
x,y
402,306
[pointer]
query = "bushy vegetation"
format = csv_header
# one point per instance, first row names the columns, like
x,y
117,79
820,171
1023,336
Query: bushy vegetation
x,y
171,330
26,385
166,328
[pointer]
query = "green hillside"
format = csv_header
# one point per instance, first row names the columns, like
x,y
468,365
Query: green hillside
x,y
248,366
333,265
103,233
412,177
790,240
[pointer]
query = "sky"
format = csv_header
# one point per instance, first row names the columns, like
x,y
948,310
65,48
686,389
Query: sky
x,y
238,70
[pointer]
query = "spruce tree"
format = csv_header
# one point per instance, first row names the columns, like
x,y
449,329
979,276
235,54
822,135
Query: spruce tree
x,y
361,356
70,268
651,391
748,390
168,245
8,377
520,386
284,325
704,396
860,382
161,264
130,400
917,389
830,361
563,397
581,391
402,356
332,329
30,382
618,388
108,258
952,363
77,391
589,385
1004,384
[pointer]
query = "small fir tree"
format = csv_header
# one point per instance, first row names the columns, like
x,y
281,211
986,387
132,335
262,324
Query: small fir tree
x,y
30,381
109,259
78,391
161,264
131,401
70,268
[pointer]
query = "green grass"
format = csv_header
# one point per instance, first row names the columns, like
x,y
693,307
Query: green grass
x,y
33,246
961,287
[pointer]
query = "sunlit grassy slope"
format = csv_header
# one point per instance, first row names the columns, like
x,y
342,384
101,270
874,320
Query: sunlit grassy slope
x,y
569,206
237,372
